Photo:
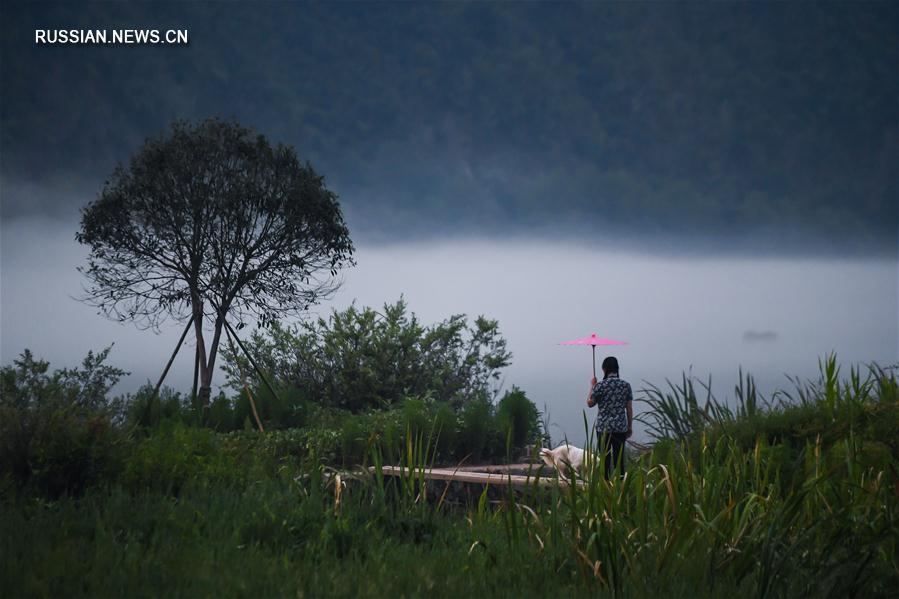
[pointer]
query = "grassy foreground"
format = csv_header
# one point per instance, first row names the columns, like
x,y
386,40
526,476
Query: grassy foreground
x,y
798,497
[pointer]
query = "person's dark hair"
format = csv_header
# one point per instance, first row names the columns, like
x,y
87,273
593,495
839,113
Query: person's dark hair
x,y
609,366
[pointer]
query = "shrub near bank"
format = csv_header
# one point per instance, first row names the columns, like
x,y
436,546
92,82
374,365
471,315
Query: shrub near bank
x,y
195,512
361,359
60,433
475,434
360,379
57,429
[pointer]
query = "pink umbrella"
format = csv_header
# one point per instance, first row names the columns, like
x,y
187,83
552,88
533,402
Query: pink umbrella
x,y
593,341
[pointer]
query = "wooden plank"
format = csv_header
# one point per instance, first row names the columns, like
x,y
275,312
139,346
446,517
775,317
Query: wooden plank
x,y
483,478
502,468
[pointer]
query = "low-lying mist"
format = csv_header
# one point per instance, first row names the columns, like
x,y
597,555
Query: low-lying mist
x,y
770,316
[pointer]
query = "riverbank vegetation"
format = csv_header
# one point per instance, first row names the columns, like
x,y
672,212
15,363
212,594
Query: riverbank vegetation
x,y
791,495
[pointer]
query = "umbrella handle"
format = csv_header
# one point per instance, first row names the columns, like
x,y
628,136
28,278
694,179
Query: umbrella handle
x,y
594,360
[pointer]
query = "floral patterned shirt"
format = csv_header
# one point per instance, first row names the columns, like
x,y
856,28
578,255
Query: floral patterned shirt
x,y
611,396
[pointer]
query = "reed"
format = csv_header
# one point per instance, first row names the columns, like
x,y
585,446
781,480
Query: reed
x,y
797,495
705,508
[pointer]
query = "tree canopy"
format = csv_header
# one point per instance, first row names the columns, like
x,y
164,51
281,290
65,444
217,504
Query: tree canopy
x,y
212,221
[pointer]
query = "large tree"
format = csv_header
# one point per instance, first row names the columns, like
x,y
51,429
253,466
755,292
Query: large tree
x,y
209,222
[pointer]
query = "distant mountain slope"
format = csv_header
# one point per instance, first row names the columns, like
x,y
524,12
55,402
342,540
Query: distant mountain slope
x,y
695,119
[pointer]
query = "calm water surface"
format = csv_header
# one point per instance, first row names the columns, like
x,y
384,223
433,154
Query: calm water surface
x,y
772,316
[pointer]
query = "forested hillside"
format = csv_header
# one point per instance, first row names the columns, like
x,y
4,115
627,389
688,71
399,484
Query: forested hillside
x,y
679,119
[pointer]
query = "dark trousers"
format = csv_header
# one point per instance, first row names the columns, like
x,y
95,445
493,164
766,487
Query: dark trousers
x,y
612,444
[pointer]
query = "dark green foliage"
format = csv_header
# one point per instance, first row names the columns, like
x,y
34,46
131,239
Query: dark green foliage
x,y
196,513
176,456
57,430
27,385
518,418
446,429
289,408
360,359
479,433
347,439
865,409
268,539
221,416
148,409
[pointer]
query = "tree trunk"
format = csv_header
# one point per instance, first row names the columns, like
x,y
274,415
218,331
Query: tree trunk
x,y
207,366
206,362
205,374
193,394
204,395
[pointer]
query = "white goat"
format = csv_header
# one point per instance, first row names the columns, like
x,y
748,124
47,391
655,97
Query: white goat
x,y
563,457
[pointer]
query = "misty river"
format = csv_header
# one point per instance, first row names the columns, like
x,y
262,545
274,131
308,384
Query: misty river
x,y
772,316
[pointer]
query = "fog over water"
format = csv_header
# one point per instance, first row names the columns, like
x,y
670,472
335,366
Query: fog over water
x,y
772,316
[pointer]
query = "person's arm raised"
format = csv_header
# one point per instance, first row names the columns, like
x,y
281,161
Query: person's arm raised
x,y
590,402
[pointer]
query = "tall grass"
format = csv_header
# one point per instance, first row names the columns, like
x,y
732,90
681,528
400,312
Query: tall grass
x,y
724,522
796,495
761,520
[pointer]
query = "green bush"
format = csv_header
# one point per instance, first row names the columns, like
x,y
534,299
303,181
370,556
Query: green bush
x,y
222,416
518,419
446,429
360,359
56,452
342,438
286,409
175,456
148,409
57,432
479,436
27,385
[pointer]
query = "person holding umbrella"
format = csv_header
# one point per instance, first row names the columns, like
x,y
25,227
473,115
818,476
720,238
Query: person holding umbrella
x,y
615,414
